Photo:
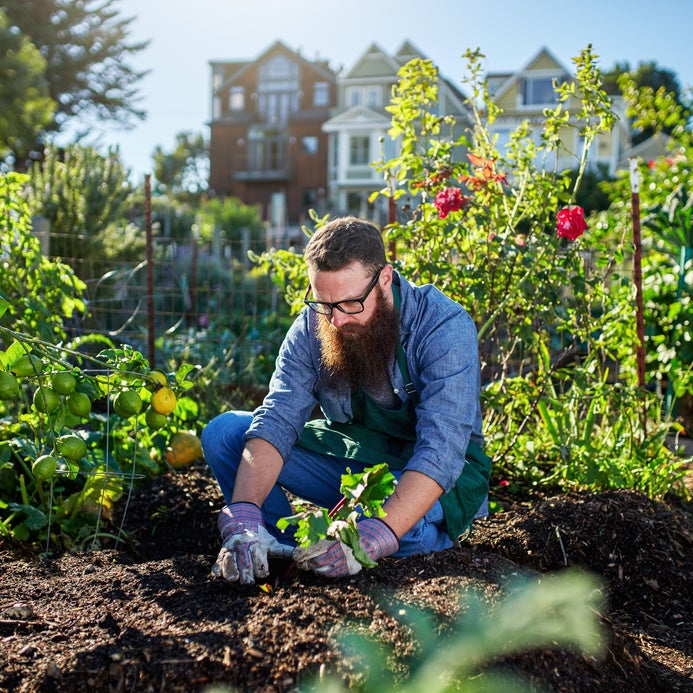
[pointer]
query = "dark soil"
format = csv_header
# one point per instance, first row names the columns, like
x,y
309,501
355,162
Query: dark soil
x,y
147,616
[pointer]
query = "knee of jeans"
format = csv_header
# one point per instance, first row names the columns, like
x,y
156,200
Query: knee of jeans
x,y
428,535
224,435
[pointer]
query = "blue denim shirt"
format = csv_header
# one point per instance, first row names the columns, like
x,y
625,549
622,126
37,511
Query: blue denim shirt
x,y
440,342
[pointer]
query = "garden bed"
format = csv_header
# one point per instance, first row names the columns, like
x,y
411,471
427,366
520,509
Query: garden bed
x,y
147,616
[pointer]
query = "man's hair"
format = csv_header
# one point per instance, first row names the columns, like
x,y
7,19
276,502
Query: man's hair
x,y
343,241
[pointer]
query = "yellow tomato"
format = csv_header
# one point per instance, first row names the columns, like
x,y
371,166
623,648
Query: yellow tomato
x,y
164,401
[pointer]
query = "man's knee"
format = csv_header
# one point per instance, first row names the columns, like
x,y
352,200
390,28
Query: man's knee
x,y
223,436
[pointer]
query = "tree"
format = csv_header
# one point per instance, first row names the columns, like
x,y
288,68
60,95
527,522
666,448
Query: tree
x,y
650,76
82,194
233,221
86,48
25,106
183,173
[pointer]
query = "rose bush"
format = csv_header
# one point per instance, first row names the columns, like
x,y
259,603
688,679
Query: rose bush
x,y
556,323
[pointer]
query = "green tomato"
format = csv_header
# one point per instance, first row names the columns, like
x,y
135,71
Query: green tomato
x,y
27,365
46,400
127,403
44,467
79,404
64,383
9,386
71,446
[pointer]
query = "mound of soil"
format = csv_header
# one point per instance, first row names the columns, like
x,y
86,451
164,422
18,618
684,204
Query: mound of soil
x,y
146,615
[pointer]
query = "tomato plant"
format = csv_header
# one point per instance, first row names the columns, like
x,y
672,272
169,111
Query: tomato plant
x,y
73,430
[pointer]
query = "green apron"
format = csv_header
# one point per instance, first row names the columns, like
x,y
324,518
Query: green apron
x,y
377,434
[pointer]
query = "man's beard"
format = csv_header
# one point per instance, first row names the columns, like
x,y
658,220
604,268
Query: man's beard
x,y
361,354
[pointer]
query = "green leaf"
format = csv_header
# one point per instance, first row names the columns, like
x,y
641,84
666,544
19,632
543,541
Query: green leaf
x,y
35,518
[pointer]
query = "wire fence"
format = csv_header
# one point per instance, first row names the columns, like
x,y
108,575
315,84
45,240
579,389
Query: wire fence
x,y
204,297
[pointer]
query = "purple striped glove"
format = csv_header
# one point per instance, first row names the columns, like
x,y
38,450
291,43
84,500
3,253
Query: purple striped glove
x,y
247,544
335,559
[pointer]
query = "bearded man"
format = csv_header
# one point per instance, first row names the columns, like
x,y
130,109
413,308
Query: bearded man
x,y
395,370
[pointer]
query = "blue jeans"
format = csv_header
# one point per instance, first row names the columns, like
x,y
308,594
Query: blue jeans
x,y
311,476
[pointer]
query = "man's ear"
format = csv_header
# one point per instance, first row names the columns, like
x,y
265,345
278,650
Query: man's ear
x,y
386,276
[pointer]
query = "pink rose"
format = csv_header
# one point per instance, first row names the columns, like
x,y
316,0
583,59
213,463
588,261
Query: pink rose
x,y
570,223
449,200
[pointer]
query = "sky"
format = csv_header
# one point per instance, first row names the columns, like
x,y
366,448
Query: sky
x,y
185,35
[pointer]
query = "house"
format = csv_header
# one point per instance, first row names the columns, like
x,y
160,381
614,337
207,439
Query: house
x,y
652,148
523,96
267,146
358,129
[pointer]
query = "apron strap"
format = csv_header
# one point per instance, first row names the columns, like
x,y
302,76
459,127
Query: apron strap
x,y
400,355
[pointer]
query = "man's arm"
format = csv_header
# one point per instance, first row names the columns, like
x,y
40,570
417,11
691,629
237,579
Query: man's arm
x,y
247,543
260,466
414,496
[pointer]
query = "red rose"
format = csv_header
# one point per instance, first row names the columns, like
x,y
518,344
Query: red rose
x,y
449,200
570,223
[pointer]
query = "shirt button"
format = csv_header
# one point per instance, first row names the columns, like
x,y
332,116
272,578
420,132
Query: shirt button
x,y
396,390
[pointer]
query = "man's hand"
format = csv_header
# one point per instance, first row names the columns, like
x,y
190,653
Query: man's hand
x,y
335,559
247,544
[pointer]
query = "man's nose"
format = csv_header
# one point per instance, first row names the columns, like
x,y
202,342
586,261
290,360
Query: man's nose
x,y
338,318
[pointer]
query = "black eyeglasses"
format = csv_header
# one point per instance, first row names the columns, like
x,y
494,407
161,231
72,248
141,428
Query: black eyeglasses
x,y
351,306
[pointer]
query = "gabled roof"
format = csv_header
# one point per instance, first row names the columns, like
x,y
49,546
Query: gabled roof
x,y
277,47
357,115
543,56
407,52
374,62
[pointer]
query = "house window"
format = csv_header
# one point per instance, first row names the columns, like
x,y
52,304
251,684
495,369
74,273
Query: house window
x,y
278,86
373,97
353,98
354,206
359,150
309,145
266,150
538,91
321,94
358,205
237,99
278,70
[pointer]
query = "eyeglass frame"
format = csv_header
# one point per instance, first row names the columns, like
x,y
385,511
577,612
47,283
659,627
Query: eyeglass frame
x,y
336,305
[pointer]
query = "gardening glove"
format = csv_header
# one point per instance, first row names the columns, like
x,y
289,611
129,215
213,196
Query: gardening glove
x,y
335,559
247,544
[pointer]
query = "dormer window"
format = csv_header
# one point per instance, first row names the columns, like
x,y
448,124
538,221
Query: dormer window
x,y
538,91
278,89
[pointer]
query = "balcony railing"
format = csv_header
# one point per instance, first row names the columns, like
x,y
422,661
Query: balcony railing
x,y
260,168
